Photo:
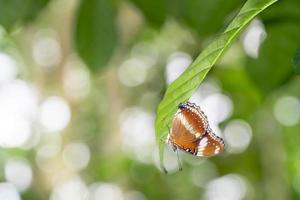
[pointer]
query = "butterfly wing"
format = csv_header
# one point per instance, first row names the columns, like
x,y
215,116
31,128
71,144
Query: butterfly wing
x,y
180,137
210,145
190,132
194,119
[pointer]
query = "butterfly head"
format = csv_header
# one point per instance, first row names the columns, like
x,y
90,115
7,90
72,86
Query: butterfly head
x,y
181,106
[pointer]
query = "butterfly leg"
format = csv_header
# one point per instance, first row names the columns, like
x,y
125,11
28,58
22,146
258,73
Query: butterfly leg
x,y
176,150
178,161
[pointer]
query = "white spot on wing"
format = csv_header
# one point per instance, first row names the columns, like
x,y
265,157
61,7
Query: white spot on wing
x,y
187,125
217,150
203,143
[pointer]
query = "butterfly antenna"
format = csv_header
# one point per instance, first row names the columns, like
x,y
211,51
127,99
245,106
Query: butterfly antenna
x,y
178,161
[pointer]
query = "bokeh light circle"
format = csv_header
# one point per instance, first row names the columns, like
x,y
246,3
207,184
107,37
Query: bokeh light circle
x,y
76,155
8,68
9,192
287,110
177,63
237,135
107,191
55,114
229,187
71,189
18,172
132,72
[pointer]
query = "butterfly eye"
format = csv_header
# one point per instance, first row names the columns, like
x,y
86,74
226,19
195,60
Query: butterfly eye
x,y
181,106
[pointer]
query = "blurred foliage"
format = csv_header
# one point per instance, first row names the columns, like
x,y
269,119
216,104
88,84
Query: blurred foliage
x,y
270,73
296,61
282,19
283,11
197,14
15,12
96,34
155,11
92,42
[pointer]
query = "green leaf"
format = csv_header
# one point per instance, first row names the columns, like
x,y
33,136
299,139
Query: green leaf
x,y
287,10
95,32
183,87
153,10
273,66
14,12
207,17
296,61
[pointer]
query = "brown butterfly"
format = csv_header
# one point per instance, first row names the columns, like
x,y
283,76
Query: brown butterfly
x,y
190,132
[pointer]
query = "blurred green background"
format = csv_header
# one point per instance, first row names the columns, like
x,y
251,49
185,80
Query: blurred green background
x,y
80,82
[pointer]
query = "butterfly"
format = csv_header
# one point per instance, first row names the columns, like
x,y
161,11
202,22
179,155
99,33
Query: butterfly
x,y
190,132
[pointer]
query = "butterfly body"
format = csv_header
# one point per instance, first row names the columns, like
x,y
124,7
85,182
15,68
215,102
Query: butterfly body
x,y
191,133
